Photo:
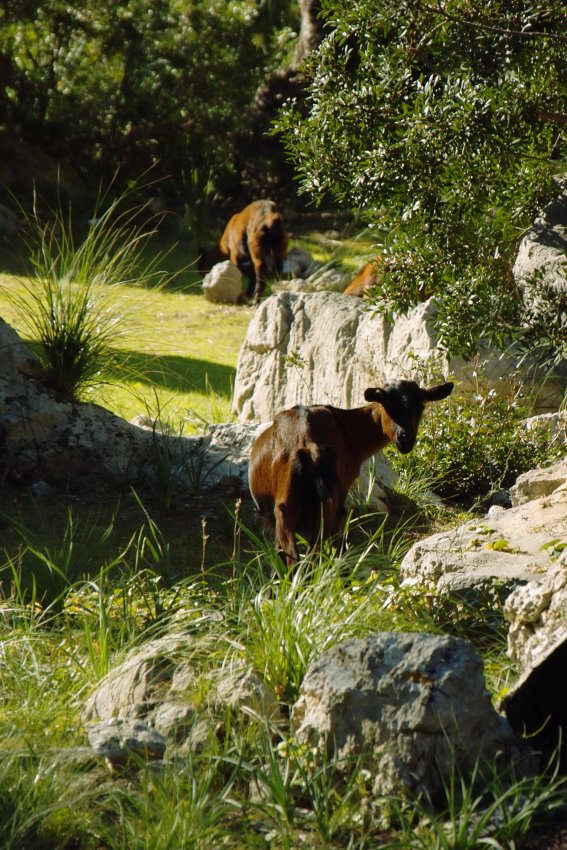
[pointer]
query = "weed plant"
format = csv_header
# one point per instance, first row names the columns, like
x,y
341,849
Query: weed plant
x,y
67,306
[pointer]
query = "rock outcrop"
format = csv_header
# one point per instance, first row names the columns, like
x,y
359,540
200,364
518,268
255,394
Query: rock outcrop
x,y
44,437
536,704
536,611
158,687
325,348
505,547
409,708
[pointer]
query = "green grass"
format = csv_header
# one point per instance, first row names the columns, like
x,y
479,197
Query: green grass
x,y
249,783
180,351
177,346
170,353
83,581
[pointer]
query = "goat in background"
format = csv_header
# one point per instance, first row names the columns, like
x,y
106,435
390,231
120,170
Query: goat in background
x,y
255,240
366,278
303,465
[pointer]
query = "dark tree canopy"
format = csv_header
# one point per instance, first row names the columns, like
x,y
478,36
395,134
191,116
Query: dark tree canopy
x,y
138,84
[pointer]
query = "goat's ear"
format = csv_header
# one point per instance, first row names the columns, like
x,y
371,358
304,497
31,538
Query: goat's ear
x,y
374,394
438,392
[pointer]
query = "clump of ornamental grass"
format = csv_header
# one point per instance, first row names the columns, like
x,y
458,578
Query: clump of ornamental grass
x,y
68,304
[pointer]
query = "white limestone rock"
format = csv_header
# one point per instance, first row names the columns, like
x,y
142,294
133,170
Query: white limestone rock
x,y
409,708
538,483
505,546
324,348
223,284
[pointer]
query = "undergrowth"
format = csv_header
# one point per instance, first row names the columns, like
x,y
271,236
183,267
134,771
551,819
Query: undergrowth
x,y
248,783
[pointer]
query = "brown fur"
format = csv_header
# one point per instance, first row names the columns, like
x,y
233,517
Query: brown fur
x,y
303,465
255,240
366,278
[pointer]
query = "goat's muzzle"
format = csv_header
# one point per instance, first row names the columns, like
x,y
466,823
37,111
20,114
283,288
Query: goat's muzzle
x,y
404,442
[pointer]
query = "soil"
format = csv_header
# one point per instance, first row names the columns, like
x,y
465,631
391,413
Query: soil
x,y
549,838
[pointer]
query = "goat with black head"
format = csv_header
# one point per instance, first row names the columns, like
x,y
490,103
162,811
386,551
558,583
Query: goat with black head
x,y
303,465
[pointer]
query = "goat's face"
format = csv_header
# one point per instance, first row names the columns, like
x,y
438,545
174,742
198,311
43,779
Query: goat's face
x,y
403,403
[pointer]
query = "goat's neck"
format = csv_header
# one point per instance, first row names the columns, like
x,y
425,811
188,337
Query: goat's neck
x,y
363,430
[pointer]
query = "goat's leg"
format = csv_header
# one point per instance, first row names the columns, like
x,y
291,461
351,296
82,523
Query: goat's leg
x,y
340,518
285,535
329,511
251,287
260,283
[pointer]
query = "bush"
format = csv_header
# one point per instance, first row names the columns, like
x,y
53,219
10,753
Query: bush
x,y
478,444
440,124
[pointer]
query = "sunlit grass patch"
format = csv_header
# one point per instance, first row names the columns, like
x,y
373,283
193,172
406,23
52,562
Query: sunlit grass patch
x,y
173,343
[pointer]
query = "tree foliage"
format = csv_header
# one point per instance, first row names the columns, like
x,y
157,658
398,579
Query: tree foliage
x,y
133,83
442,122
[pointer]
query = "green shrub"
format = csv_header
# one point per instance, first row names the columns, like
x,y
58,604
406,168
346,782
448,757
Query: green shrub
x,y
476,444
433,124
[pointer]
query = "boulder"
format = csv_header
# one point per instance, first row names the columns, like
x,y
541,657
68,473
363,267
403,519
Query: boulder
x,y
223,284
135,688
410,708
505,547
536,704
46,438
291,356
543,250
298,263
159,687
27,170
122,742
536,611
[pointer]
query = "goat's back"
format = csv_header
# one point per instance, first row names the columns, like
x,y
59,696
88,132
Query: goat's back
x,y
258,231
365,278
300,455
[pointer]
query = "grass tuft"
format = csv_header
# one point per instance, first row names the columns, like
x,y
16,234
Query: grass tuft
x,y
67,306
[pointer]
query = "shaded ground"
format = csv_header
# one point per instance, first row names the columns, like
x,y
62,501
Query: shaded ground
x,y
196,534
549,838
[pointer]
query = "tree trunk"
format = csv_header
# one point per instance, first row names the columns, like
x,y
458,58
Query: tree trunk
x,y
311,31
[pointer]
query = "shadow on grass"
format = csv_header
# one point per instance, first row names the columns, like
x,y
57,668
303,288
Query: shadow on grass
x,y
170,372
14,258
181,374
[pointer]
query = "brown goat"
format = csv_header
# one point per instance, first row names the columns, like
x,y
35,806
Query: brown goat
x,y
365,278
255,240
303,465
